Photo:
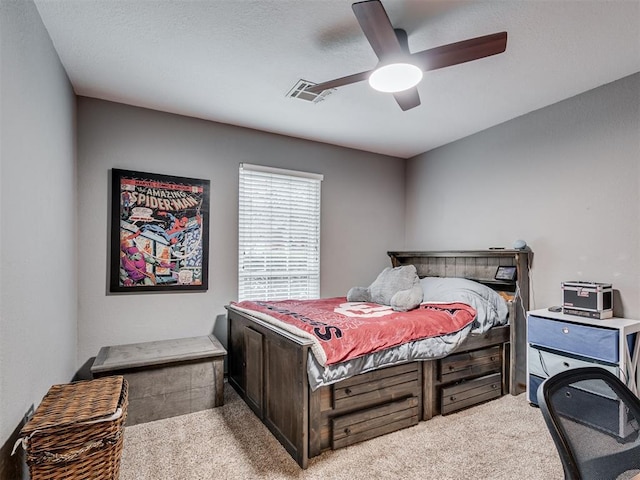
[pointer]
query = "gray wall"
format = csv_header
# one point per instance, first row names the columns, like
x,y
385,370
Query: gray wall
x,y
565,178
38,282
362,214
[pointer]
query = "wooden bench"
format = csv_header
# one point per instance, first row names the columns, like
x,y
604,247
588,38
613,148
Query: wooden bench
x,y
168,377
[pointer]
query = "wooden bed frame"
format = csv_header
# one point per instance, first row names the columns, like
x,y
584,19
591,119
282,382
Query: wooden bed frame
x,y
268,368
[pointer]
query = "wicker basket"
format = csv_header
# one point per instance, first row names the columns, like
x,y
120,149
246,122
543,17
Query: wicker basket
x,y
77,431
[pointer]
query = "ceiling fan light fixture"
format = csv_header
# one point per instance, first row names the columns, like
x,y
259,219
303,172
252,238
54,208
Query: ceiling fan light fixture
x,y
395,77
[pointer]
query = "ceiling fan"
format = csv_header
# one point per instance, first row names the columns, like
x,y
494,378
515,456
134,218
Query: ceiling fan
x,y
399,71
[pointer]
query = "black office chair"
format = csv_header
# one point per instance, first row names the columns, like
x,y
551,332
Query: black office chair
x,y
594,420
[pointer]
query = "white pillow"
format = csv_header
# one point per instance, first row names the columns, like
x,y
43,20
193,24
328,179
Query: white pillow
x,y
491,308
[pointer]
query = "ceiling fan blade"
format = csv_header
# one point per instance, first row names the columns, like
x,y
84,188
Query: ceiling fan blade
x,y
377,27
339,82
407,99
460,52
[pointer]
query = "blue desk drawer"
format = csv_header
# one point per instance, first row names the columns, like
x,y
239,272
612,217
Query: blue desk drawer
x,y
585,340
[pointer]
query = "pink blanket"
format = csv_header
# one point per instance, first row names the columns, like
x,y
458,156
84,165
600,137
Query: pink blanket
x,y
344,330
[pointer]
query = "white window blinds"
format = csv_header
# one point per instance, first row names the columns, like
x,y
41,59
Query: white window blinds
x,y
278,234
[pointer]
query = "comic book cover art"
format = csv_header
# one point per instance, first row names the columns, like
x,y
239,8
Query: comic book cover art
x,y
159,232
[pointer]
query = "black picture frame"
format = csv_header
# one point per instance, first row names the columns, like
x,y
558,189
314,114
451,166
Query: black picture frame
x,y
159,233
506,273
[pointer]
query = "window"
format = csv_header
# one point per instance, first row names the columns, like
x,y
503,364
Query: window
x,y
278,234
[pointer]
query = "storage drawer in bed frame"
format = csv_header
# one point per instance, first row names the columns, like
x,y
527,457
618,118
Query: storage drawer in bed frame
x,y
469,378
373,422
369,405
376,387
470,364
467,393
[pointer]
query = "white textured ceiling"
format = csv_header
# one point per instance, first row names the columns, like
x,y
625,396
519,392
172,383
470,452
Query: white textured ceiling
x,y
233,61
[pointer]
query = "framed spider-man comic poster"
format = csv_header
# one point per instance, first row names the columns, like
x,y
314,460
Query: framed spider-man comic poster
x,y
159,232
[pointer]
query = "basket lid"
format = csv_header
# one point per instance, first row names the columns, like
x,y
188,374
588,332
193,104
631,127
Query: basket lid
x,y
77,402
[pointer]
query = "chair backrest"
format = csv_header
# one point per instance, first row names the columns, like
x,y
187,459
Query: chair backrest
x,y
594,420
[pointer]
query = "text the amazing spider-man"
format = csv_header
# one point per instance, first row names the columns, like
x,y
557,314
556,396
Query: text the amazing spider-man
x,y
161,199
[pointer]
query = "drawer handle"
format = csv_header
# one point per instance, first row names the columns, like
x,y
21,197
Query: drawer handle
x,y
347,391
451,367
493,359
494,386
565,330
347,431
452,398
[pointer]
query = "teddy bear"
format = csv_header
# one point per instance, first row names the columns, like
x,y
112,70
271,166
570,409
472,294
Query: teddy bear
x,y
397,287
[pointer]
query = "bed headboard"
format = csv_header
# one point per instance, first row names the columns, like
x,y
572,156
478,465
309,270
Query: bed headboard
x,y
478,265
481,266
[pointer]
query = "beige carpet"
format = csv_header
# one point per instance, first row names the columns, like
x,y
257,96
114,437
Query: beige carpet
x,y
502,439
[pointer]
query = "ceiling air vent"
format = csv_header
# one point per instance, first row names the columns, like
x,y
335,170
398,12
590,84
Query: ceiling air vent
x,y
298,92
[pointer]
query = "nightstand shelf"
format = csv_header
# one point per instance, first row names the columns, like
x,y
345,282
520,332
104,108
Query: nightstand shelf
x,y
558,342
